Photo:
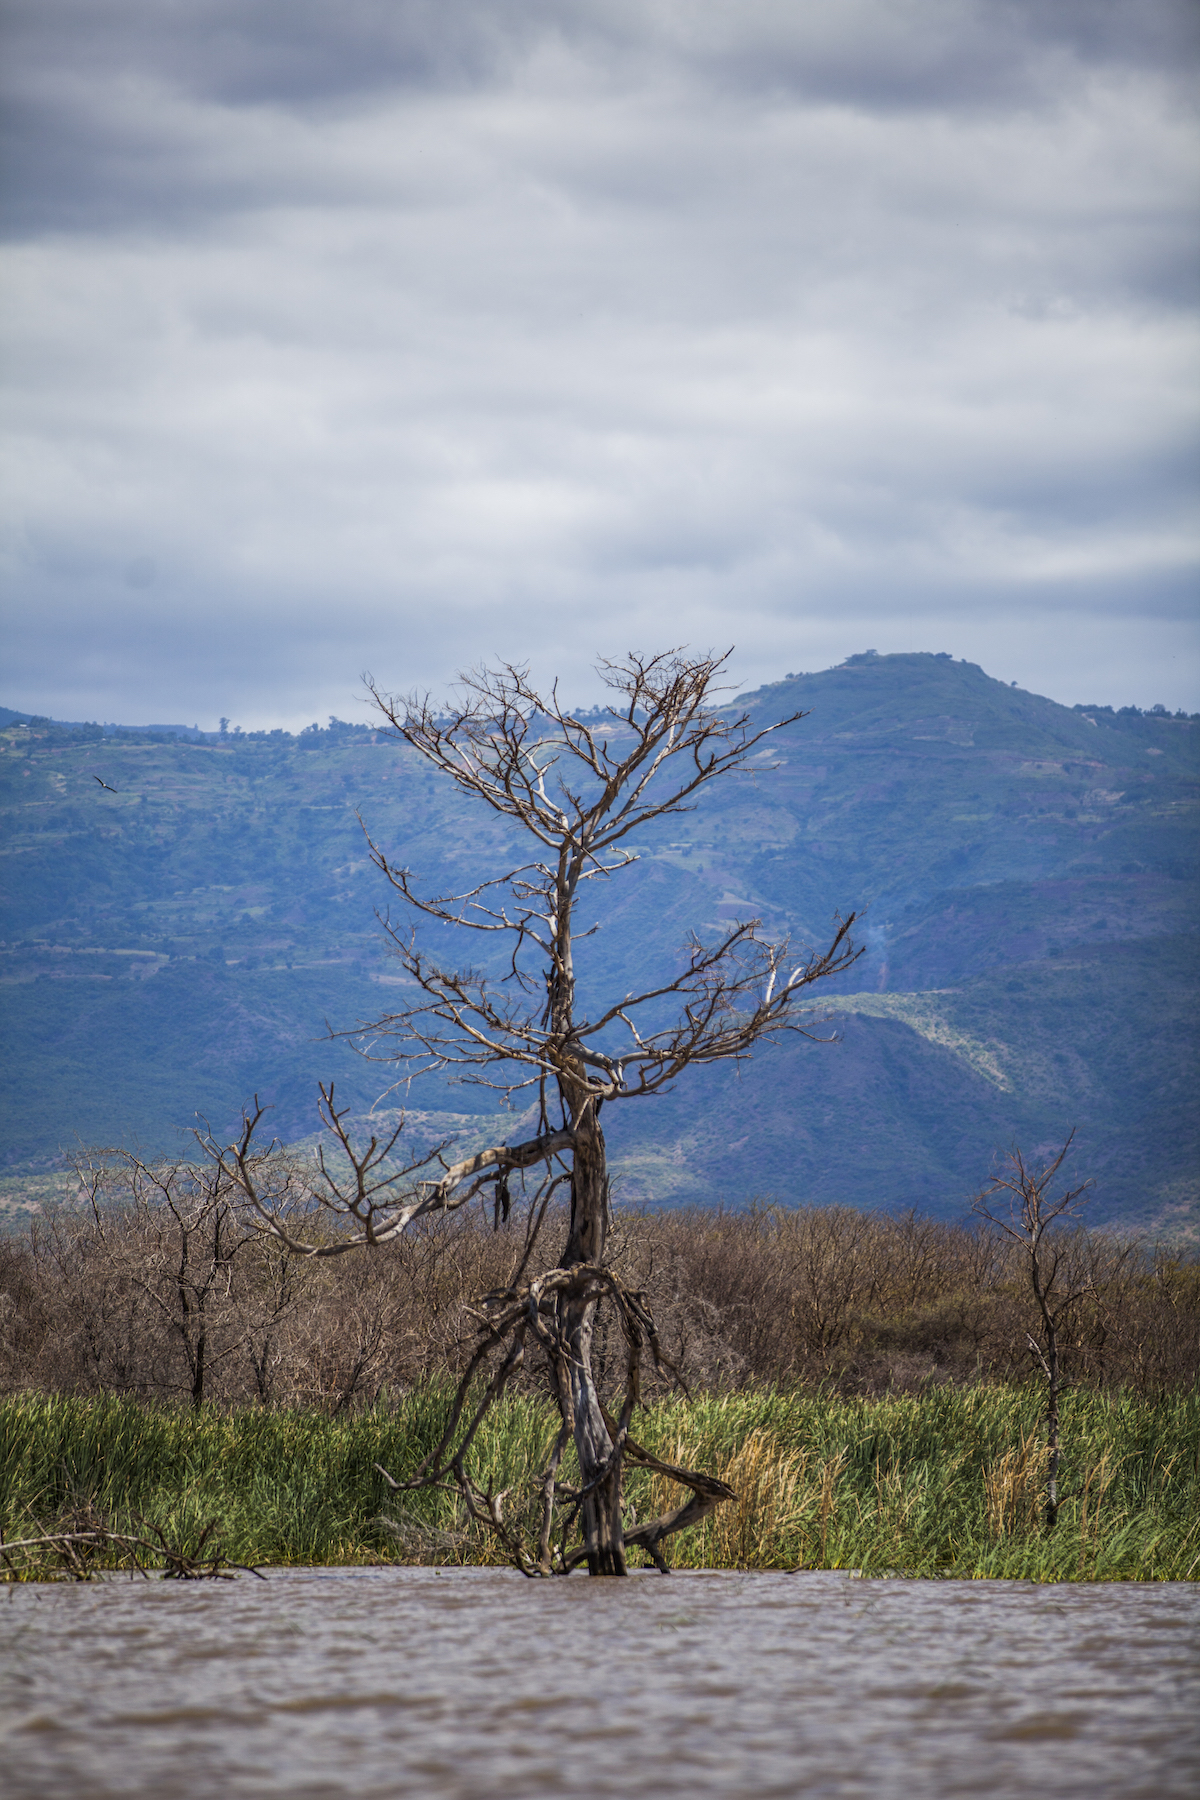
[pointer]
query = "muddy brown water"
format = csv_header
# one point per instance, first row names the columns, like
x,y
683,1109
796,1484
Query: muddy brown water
x,y
479,1685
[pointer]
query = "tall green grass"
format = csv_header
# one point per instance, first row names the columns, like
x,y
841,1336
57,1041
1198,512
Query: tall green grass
x,y
949,1482
945,1483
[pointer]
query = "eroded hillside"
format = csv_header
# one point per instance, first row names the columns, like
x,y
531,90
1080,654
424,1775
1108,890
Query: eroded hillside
x,y
177,938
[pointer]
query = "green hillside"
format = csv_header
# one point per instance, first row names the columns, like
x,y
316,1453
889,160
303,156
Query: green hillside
x,y
1026,873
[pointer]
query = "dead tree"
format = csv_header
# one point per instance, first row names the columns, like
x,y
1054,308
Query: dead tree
x,y
1057,1280
171,1231
575,790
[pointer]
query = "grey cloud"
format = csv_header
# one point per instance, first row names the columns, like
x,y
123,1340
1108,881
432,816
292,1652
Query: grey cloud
x,y
947,53
400,335
105,99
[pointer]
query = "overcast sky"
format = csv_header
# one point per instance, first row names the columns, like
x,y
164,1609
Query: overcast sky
x,y
401,334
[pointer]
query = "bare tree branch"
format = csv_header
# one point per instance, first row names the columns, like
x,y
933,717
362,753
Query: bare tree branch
x,y
370,1199
579,788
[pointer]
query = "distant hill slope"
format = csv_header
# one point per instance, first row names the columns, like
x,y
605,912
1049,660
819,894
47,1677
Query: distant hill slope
x,y
1026,873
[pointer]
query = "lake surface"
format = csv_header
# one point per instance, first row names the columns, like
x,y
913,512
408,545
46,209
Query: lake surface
x,y
480,1685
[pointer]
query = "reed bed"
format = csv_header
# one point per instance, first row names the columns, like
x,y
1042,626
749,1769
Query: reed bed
x,y
946,1482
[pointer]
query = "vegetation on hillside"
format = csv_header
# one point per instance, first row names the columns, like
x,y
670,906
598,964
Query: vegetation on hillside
x,y
1029,873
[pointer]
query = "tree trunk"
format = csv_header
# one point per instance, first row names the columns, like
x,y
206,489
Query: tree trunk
x,y
1052,1426
603,1537
1042,1288
586,1240
198,1368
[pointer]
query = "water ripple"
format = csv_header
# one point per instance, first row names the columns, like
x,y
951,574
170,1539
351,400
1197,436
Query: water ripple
x,y
478,1685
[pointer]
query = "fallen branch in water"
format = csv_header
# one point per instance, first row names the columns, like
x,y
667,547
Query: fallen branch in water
x,y
421,1540
70,1555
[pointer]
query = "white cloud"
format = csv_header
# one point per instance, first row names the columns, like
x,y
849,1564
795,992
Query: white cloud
x,y
804,328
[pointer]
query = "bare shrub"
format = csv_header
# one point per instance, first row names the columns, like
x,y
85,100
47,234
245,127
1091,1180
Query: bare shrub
x,y
855,1302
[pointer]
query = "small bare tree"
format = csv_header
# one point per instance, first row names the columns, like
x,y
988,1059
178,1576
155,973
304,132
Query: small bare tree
x,y
578,788
147,1273
173,1228
1059,1280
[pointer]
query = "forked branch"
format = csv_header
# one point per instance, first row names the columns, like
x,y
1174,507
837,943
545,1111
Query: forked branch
x,y
382,1202
537,1310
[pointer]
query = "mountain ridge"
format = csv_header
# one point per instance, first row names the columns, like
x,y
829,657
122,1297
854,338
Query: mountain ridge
x,y
180,943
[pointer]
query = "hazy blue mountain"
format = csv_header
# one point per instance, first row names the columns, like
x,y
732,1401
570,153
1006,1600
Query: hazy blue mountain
x,y
1025,873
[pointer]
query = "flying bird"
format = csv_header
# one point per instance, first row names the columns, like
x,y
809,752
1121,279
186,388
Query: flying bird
x,y
104,784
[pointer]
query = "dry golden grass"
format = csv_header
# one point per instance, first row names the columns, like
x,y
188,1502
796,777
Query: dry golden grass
x,y
787,1503
1014,1487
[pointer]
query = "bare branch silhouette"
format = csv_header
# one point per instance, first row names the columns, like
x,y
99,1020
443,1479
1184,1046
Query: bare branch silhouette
x,y
579,788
